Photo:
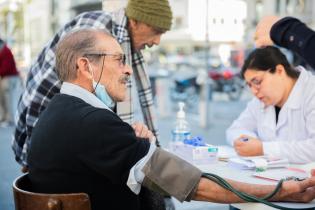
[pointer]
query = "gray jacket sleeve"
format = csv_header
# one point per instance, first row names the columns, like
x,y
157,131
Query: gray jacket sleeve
x,y
169,174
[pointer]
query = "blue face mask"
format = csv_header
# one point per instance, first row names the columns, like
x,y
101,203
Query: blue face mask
x,y
101,93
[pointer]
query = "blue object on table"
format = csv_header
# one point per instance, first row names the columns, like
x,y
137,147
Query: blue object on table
x,y
196,141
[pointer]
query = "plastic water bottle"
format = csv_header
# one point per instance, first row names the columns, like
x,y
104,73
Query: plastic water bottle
x,y
181,129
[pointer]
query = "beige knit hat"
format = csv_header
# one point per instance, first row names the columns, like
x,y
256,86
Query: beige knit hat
x,y
156,13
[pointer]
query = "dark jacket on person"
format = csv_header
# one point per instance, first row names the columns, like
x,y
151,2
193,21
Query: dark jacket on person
x,y
76,147
291,33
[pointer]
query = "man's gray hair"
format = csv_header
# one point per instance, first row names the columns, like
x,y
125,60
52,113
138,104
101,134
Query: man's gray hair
x,y
73,46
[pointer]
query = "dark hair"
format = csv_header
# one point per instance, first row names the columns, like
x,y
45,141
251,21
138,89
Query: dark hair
x,y
267,58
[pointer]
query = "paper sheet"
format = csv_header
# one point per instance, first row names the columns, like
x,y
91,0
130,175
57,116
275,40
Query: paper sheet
x,y
278,174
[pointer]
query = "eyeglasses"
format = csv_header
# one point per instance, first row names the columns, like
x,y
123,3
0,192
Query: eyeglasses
x,y
256,82
119,57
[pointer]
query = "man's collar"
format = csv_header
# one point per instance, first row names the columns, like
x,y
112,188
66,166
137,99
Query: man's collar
x,y
79,92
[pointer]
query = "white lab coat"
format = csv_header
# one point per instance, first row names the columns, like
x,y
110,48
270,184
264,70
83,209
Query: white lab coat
x,y
293,137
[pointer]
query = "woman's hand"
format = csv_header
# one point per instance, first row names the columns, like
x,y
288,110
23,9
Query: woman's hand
x,y
248,146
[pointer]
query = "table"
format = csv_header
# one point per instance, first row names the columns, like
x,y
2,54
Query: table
x,y
220,168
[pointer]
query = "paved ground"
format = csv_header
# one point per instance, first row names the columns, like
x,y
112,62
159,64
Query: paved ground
x,y
9,169
222,113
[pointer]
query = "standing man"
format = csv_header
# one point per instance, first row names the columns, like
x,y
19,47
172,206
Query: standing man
x,y
140,24
288,32
9,84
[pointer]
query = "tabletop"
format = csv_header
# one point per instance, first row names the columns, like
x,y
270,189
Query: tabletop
x,y
222,169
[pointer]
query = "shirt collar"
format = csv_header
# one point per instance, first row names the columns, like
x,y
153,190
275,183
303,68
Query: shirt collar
x,y
79,92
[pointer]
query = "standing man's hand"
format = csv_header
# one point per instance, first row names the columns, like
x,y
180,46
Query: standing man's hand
x,y
142,131
262,35
248,146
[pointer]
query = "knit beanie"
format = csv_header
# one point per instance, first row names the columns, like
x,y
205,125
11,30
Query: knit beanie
x,y
156,13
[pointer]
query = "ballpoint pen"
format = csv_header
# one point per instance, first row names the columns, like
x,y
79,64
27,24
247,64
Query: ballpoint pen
x,y
244,139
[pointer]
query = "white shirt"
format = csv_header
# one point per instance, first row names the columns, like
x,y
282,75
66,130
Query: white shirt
x,y
136,175
293,137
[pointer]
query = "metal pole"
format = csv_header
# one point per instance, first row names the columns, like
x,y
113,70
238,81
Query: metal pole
x,y
205,90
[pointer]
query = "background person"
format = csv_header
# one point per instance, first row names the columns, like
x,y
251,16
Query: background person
x,y
279,121
10,85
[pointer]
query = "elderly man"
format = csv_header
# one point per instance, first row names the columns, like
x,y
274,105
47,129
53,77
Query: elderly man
x,y
80,145
140,24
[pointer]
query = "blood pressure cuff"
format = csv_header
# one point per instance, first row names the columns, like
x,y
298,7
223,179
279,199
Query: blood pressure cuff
x,y
170,175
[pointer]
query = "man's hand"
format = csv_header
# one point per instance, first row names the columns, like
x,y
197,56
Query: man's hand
x,y
262,34
297,191
248,146
142,131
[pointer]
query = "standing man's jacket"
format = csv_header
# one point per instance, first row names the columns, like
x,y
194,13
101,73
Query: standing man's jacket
x,y
291,33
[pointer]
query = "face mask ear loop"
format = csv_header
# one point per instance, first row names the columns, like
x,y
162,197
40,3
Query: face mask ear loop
x,y
91,70
98,81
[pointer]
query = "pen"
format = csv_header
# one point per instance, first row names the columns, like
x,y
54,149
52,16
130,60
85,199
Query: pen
x,y
244,139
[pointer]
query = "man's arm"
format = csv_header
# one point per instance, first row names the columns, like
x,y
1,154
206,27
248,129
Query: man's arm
x,y
167,173
294,191
287,32
245,124
291,33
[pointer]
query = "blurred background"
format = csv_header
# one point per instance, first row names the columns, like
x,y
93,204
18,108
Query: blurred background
x,y
197,62
224,28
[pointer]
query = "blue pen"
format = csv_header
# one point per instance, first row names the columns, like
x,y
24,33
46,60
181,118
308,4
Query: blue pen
x,y
244,139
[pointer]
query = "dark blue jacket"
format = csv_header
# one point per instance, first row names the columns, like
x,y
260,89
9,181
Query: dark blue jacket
x,y
291,33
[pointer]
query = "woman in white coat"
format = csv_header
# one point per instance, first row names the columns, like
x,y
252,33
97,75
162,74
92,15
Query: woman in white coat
x,y
280,120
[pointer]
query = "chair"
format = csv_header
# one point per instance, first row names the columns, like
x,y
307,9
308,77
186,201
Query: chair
x,y
24,199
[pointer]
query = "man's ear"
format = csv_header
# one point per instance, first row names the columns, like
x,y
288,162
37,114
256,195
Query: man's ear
x,y
83,68
133,23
